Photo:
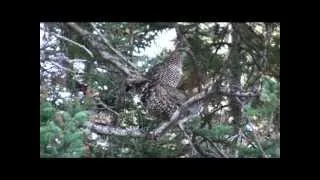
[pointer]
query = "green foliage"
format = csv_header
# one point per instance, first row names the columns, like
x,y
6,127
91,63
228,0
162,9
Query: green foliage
x,y
245,152
66,141
158,149
73,106
75,143
270,147
221,130
49,132
269,99
217,132
66,116
46,112
81,116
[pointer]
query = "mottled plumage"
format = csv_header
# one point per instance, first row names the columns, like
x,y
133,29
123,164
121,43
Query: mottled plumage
x,y
160,96
163,101
169,72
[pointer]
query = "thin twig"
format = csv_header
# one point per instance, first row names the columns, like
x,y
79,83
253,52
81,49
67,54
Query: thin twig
x,y
202,152
76,60
106,41
64,68
180,125
217,149
75,43
175,117
105,55
99,102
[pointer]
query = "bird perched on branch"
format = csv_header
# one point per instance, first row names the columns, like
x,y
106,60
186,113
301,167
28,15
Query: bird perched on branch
x,y
161,96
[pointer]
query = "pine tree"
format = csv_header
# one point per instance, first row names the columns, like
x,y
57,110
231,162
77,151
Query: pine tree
x,y
240,111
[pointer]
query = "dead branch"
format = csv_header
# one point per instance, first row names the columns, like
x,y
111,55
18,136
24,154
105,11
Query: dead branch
x,y
175,117
180,125
211,91
64,68
99,102
106,41
75,43
104,54
109,130
223,155
202,152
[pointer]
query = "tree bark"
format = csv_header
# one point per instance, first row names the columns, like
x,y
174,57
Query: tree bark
x,y
235,83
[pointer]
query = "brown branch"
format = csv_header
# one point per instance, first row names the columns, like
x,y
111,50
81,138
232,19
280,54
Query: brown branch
x,y
202,152
106,41
217,149
105,55
99,102
109,130
180,125
162,129
75,43
244,94
175,117
210,92
64,68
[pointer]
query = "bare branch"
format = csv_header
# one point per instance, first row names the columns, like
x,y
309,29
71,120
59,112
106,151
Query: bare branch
x,y
105,55
211,91
163,128
75,43
109,130
75,60
202,152
99,102
64,68
106,41
114,61
245,94
180,125
175,117
217,149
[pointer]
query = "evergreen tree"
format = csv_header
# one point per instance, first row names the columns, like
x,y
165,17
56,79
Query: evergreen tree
x,y
87,110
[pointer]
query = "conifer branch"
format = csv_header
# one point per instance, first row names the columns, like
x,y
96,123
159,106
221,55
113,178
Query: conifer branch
x,y
75,43
106,41
99,102
116,61
212,91
64,68
110,130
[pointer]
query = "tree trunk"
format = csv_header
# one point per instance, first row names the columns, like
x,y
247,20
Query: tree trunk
x,y
235,83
